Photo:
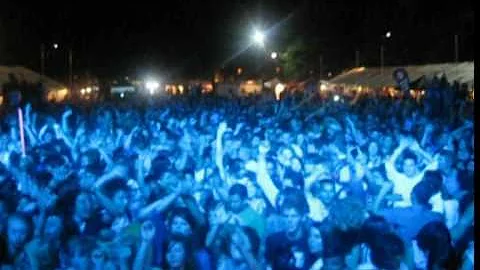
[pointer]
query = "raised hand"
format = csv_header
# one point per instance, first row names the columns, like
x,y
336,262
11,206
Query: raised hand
x,y
67,113
222,127
263,148
147,231
251,166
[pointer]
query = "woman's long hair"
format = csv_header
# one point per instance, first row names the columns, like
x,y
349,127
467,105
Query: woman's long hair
x,y
188,260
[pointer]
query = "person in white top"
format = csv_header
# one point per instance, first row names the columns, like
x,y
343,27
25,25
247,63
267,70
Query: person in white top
x,y
403,182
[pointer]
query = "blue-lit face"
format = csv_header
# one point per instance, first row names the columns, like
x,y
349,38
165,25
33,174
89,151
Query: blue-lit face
x,y
409,167
17,233
236,203
180,226
293,220
315,242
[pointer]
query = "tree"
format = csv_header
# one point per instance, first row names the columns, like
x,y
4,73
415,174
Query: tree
x,y
299,58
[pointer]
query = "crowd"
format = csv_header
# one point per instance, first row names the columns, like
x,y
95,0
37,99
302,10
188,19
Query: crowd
x,y
210,183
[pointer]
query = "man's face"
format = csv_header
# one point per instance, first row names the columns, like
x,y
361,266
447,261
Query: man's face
x,y
409,167
17,233
293,220
326,193
236,203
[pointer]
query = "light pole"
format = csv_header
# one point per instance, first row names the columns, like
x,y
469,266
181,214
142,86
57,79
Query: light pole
x,y
56,46
388,35
456,48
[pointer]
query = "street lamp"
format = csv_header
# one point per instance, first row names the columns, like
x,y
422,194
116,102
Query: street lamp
x,y
388,34
259,38
274,55
55,46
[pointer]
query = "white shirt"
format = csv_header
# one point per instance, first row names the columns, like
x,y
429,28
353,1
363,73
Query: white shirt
x,y
403,185
448,208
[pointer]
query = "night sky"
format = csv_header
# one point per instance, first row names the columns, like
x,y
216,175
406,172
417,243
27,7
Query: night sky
x,y
192,38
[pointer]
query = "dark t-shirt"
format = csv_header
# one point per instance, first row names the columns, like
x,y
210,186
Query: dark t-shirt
x,y
281,251
90,227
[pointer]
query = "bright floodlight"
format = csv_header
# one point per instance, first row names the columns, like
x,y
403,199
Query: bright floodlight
x,y
55,46
259,37
274,55
388,35
152,86
336,98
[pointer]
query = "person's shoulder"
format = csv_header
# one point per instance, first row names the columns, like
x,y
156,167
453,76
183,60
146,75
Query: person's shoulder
x,y
435,216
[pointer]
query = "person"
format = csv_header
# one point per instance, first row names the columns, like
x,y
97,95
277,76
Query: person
x,y
407,221
181,223
246,215
316,234
410,176
240,249
178,255
434,240
126,185
42,249
387,252
83,221
288,249
19,233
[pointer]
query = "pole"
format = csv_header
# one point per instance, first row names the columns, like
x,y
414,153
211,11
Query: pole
x,y
42,59
70,68
357,58
382,60
320,67
456,48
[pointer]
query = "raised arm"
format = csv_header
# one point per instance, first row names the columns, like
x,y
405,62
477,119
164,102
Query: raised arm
x,y
160,205
386,187
263,178
65,116
103,199
391,171
192,206
463,224
147,232
219,149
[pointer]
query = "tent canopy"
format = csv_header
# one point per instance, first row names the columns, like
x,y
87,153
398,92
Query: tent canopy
x,y
374,77
24,74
